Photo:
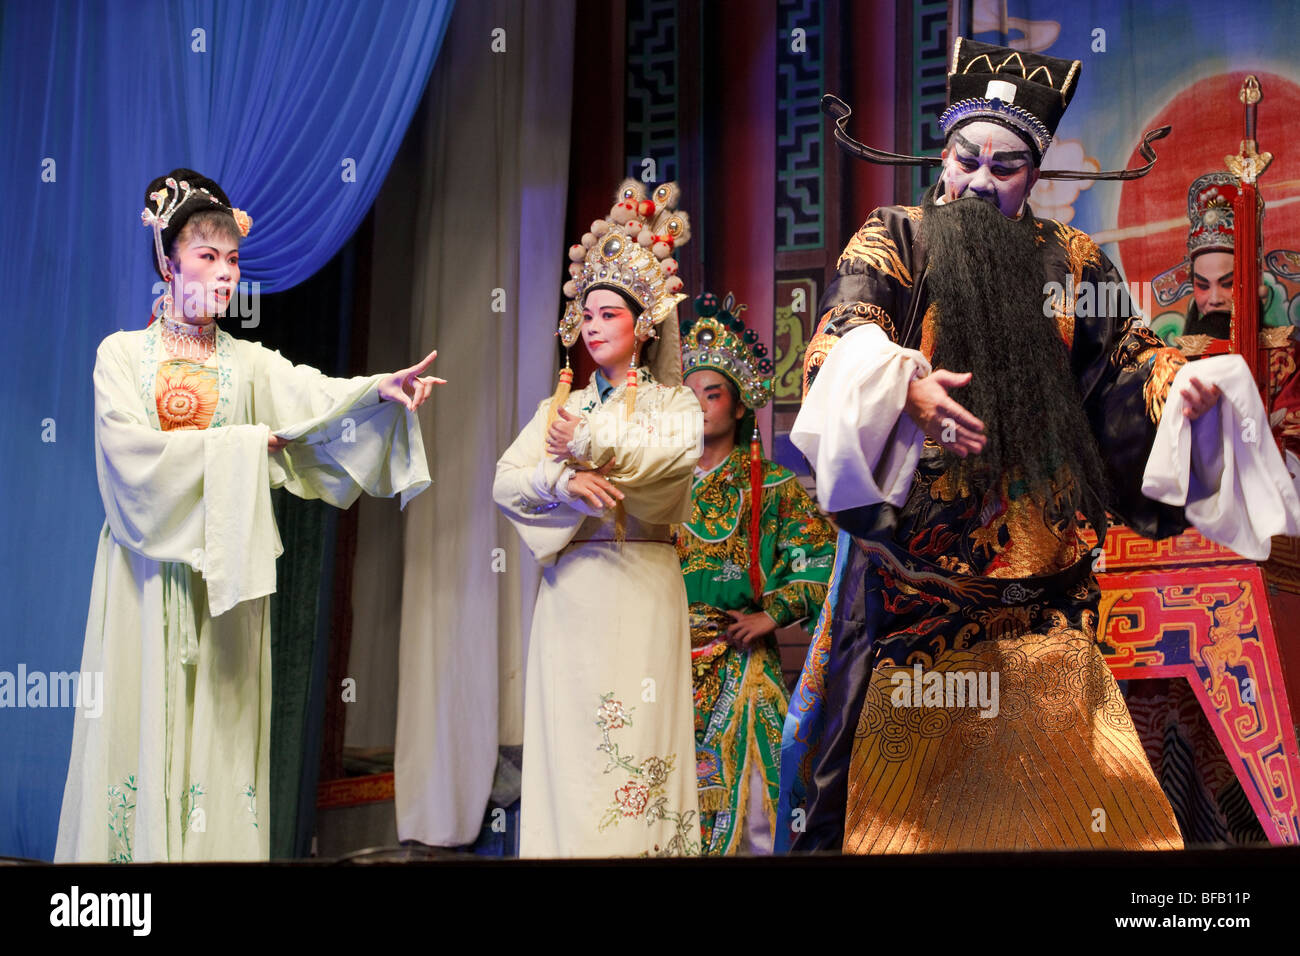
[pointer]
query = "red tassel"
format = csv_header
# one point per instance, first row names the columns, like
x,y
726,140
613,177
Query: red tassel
x,y
1245,285
755,514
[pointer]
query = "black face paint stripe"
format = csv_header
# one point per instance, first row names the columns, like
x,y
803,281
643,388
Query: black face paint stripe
x,y
963,141
999,157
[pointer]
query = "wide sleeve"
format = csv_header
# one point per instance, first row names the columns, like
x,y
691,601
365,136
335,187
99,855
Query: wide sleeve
x,y
651,457
343,439
201,497
795,587
851,426
1224,468
1124,373
529,491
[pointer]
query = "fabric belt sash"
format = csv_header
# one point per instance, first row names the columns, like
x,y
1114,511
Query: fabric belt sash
x,y
602,529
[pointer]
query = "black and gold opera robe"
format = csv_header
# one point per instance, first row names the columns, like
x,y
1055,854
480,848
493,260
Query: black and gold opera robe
x,y
986,586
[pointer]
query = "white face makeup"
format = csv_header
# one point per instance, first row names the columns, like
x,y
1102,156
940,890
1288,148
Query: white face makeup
x,y
608,330
205,274
1212,282
989,161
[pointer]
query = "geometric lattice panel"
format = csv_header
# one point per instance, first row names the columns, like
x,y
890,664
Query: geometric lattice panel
x,y
651,102
800,81
930,48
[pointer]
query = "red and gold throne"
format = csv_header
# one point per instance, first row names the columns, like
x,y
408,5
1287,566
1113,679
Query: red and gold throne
x,y
1187,608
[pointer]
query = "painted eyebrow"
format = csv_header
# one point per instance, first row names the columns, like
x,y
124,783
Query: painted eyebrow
x,y
1204,278
998,157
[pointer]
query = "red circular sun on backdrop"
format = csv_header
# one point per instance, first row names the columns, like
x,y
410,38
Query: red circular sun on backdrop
x,y
1208,124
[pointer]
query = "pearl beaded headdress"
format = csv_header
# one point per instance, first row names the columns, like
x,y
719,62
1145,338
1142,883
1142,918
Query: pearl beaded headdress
x,y
172,198
630,252
717,339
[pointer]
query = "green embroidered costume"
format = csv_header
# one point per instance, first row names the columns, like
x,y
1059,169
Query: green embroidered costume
x,y
778,565
740,696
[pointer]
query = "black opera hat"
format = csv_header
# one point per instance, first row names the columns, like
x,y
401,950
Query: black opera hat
x,y
1025,92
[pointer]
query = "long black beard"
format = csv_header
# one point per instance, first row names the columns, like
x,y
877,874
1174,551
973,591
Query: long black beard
x,y
986,275
1217,324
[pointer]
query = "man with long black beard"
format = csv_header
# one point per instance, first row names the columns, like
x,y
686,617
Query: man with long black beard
x,y
961,420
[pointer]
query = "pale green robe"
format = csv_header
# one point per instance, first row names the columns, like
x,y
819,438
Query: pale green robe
x,y
176,767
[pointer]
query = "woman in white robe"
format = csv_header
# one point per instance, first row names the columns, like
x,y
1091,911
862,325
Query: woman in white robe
x,y
609,743
187,449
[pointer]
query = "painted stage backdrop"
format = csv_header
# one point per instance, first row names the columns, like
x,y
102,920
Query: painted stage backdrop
x,y
1182,64
1166,63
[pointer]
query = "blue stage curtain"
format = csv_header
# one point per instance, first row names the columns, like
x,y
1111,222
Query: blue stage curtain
x,y
296,107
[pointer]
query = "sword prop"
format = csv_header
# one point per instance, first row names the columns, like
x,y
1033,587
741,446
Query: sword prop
x,y
1248,214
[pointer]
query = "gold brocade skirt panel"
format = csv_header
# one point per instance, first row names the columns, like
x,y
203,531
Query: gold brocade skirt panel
x,y
1022,743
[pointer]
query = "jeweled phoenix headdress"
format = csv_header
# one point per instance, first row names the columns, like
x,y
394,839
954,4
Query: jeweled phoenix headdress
x,y
631,252
170,201
717,339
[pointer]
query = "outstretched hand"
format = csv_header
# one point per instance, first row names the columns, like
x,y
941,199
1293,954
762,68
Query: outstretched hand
x,y
941,417
408,387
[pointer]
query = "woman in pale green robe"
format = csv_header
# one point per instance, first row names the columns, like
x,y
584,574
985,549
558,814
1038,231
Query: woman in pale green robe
x,y
176,768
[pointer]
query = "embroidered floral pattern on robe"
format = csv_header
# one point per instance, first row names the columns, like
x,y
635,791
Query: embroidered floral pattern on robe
x,y
186,394
642,797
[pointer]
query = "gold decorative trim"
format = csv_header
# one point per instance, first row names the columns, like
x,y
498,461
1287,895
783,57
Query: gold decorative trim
x,y
1276,337
818,349
1165,365
1034,72
1069,78
873,248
